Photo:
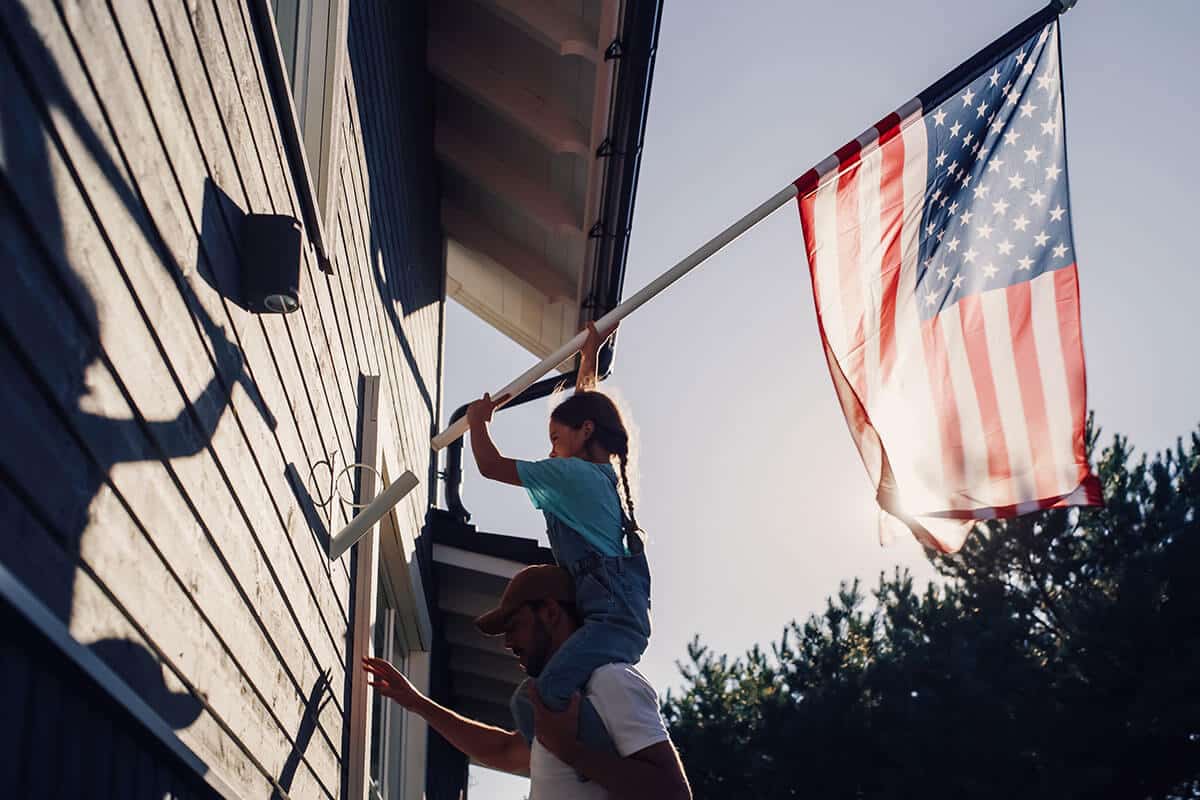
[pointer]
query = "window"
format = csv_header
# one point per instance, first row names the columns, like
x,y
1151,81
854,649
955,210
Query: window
x,y
312,40
388,720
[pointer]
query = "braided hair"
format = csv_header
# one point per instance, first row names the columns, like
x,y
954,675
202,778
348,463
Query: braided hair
x,y
609,431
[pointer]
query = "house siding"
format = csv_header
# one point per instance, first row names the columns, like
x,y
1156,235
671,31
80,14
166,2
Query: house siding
x,y
155,488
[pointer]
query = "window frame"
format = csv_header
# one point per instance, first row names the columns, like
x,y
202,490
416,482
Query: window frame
x,y
300,134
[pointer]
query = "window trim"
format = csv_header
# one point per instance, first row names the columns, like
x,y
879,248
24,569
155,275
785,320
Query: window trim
x,y
372,555
313,183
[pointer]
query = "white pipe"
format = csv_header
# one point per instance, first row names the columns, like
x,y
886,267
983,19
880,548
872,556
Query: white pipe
x,y
374,512
527,378
407,482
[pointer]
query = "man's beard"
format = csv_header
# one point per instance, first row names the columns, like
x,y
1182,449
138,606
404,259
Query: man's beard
x,y
538,654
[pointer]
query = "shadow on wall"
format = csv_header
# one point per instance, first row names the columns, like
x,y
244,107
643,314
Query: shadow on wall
x,y
58,455
387,57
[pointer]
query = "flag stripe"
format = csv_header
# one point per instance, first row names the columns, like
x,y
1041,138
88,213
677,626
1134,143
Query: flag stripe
x,y
950,426
870,250
1054,368
1006,383
1066,296
974,353
849,251
1029,377
892,207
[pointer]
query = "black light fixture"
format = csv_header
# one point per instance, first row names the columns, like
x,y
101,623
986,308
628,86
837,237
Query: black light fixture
x,y
269,246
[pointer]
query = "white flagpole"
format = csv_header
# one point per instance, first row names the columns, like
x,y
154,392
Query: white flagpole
x,y
406,483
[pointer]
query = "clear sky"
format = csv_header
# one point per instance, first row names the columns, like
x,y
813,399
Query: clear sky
x,y
753,494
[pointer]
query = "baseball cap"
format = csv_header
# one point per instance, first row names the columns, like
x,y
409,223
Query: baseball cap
x,y
538,582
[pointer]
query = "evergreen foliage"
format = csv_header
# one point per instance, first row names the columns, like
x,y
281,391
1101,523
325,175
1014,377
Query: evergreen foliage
x,y
1058,657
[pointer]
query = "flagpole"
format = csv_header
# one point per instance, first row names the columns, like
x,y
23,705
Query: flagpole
x,y
397,490
649,291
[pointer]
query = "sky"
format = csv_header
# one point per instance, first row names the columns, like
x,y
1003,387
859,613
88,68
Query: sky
x,y
753,495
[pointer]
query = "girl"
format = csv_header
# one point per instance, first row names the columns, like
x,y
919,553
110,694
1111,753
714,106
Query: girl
x,y
593,534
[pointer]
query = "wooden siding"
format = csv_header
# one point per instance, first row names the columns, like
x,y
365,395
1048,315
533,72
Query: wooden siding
x,y
157,439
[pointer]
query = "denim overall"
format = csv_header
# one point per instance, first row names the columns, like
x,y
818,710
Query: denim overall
x,y
612,594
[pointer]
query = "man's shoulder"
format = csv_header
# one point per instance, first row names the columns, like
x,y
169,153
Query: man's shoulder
x,y
624,681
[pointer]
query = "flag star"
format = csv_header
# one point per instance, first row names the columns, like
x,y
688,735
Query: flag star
x,y
997,125
1021,57
1041,239
942,270
1025,263
1000,206
941,158
1011,137
1060,250
953,168
1013,99
1028,109
1016,181
1032,154
966,217
983,151
954,129
953,244
989,270
968,138
1021,223
940,235
994,166
970,255
975,148
1005,247
929,232
1056,213
1036,197
994,78
953,208
939,117
1045,33
984,231
967,97
936,194
1006,89
1044,81
980,191
930,298
981,109
1049,127
966,179
1030,66
1052,172
958,279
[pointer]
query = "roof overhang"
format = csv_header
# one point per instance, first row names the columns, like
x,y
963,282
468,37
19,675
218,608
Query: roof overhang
x,y
540,110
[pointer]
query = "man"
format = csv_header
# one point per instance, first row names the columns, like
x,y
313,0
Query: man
x,y
537,616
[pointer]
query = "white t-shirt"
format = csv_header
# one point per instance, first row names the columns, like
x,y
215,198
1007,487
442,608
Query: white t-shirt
x,y
628,705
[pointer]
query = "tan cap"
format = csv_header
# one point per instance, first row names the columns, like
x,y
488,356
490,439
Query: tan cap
x,y
539,582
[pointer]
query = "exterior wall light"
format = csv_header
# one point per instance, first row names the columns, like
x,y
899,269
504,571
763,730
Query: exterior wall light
x,y
269,246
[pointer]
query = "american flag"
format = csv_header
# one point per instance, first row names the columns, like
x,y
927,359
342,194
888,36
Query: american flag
x,y
943,269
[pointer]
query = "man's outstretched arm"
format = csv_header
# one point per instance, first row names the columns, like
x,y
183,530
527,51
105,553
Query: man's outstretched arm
x,y
491,746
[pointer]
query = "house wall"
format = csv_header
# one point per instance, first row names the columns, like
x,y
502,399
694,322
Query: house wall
x,y
156,440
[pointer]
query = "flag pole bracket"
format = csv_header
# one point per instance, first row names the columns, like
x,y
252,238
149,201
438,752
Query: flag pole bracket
x,y
614,51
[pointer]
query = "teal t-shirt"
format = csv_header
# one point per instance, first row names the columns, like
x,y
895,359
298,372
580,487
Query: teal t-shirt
x,y
581,494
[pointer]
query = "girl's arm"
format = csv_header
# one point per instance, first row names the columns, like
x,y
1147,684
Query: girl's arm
x,y
586,379
491,463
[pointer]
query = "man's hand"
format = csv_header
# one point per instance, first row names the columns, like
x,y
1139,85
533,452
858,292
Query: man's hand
x,y
556,730
390,682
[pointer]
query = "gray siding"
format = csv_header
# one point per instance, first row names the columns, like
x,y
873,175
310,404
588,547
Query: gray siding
x,y
156,438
